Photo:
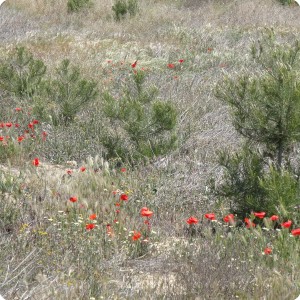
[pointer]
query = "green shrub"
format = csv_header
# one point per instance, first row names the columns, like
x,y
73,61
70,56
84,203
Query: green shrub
x,y
286,2
8,150
122,7
140,125
266,112
282,191
70,92
76,5
22,75
241,181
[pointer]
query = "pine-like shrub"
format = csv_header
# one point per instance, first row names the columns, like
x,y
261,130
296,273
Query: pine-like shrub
x,y
140,125
265,110
286,2
70,92
122,7
22,75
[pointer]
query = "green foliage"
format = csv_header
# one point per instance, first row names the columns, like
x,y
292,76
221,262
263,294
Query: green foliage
x,y
266,112
282,191
62,98
286,2
140,125
266,108
76,5
70,92
119,9
8,150
122,7
22,75
250,188
241,182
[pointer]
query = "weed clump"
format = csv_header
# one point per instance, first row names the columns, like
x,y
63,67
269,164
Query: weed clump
x,y
123,7
77,5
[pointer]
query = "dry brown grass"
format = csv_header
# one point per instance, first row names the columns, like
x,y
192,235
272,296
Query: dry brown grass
x,y
164,31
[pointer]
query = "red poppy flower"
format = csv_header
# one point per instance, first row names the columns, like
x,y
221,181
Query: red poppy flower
x,y
82,169
249,223
93,217
123,170
124,197
17,125
18,109
118,204
192,220
171,66
73,199
69,172
136,235
134,64
181,61
146,213
1,138
268,251
274,218
90,226
36,162
286,224
21,138
229,218
30,125
260,215
295,231
35,122
117,211
210,216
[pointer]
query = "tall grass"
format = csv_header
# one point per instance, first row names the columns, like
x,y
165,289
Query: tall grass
x,y
46,251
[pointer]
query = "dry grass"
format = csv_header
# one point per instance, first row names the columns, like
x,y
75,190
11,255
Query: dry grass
x,y
68,262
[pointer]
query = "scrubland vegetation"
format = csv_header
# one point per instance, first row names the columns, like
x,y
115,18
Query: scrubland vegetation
x,y
149,149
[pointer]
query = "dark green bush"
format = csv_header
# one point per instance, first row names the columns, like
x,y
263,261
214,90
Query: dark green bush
x,y
282,191
286,2
140,125
266,112
122,7
22,75
70,92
